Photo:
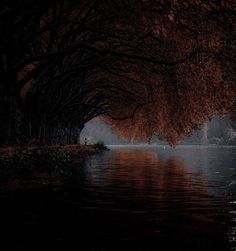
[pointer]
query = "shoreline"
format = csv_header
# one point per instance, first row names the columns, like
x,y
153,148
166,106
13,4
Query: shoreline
x,y
170,147
25,167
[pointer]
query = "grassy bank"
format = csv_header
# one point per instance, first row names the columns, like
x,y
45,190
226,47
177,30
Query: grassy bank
x,y
27,166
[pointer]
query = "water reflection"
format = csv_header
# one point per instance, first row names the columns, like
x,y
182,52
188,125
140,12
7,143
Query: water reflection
x,y
181,203
144,173
141,198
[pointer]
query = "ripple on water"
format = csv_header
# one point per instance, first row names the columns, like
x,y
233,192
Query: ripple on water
x,y
183,198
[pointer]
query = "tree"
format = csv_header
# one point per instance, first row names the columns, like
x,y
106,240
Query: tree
x,y
153,67
194,89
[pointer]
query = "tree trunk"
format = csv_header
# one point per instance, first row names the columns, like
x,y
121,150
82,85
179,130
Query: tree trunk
x,y
79,130
205,136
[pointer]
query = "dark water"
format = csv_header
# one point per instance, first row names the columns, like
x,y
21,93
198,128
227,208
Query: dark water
x,y
136,198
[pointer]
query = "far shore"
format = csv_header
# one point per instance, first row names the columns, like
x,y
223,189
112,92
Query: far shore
x,y
168,146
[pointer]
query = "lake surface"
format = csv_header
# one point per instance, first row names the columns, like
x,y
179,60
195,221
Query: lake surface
x,y
130,198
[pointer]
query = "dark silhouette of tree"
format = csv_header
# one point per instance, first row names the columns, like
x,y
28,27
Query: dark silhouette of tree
x,y
152,67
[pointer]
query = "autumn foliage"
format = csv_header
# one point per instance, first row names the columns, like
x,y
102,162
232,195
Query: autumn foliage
x,y
147,67
186,94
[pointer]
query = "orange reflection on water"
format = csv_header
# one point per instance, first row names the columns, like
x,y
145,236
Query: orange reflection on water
x,y
147,170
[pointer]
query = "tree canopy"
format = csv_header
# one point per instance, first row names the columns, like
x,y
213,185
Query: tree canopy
x,y
147,67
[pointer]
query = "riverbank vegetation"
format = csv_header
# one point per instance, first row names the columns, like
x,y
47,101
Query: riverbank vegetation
x,y
44,165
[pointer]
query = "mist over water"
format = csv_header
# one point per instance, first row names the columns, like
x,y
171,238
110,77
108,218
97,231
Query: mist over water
x,y
144,198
